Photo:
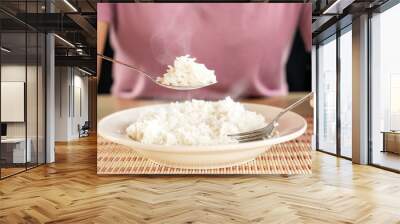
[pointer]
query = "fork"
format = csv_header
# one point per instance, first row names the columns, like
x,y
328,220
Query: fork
x,y
267,131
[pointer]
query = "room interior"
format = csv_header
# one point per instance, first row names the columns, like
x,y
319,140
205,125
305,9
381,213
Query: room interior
x,y
22,101
47,93
334,75
355,164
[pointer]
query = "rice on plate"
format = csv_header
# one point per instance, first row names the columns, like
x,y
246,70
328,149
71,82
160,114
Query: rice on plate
x,y
195,122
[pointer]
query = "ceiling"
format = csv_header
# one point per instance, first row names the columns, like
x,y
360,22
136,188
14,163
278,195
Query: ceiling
x,y
72,20
330,15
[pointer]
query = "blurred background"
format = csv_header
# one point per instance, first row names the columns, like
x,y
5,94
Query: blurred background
x,y
298,68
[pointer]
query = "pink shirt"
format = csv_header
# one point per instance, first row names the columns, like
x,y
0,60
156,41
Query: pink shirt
x,y
247,44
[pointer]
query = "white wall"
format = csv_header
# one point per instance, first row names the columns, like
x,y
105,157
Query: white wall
x,y
62,80
33,127
14,73
17,73
71,92
81,83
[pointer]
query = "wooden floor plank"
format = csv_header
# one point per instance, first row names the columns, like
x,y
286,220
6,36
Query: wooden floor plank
x,y
70,191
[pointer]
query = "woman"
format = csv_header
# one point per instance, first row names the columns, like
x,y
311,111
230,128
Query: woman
x,y
246,44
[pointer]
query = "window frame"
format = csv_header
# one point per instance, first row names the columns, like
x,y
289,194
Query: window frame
x,y
27,29
378,10
347,27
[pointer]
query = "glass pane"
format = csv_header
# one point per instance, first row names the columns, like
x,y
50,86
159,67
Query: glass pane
x,y
41,99
31,86
346,94
327,96
385,84
23,88
31,97
14,153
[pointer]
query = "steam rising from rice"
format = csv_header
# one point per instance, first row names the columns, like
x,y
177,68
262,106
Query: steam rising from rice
x,y
195,122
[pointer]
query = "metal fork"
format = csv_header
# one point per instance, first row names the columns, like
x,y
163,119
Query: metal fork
x,y
267,131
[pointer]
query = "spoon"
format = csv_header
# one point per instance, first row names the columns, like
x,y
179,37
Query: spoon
x,y
152,78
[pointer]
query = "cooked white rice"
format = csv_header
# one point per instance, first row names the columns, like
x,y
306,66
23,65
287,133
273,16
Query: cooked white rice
x,y
195,122
187,72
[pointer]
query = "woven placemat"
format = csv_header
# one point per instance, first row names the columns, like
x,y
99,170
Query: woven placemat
x,y
292,157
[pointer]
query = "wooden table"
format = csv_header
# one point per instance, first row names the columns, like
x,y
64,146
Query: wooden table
x,y
391,141
107,104
126,161
13,151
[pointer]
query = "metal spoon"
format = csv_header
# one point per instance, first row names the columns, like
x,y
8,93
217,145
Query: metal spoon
x,y
152,78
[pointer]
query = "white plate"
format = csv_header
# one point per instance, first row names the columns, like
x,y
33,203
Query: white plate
x,y
112,128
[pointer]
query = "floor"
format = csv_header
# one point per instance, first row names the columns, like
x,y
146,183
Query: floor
x,y
69,191
387,159
8,171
